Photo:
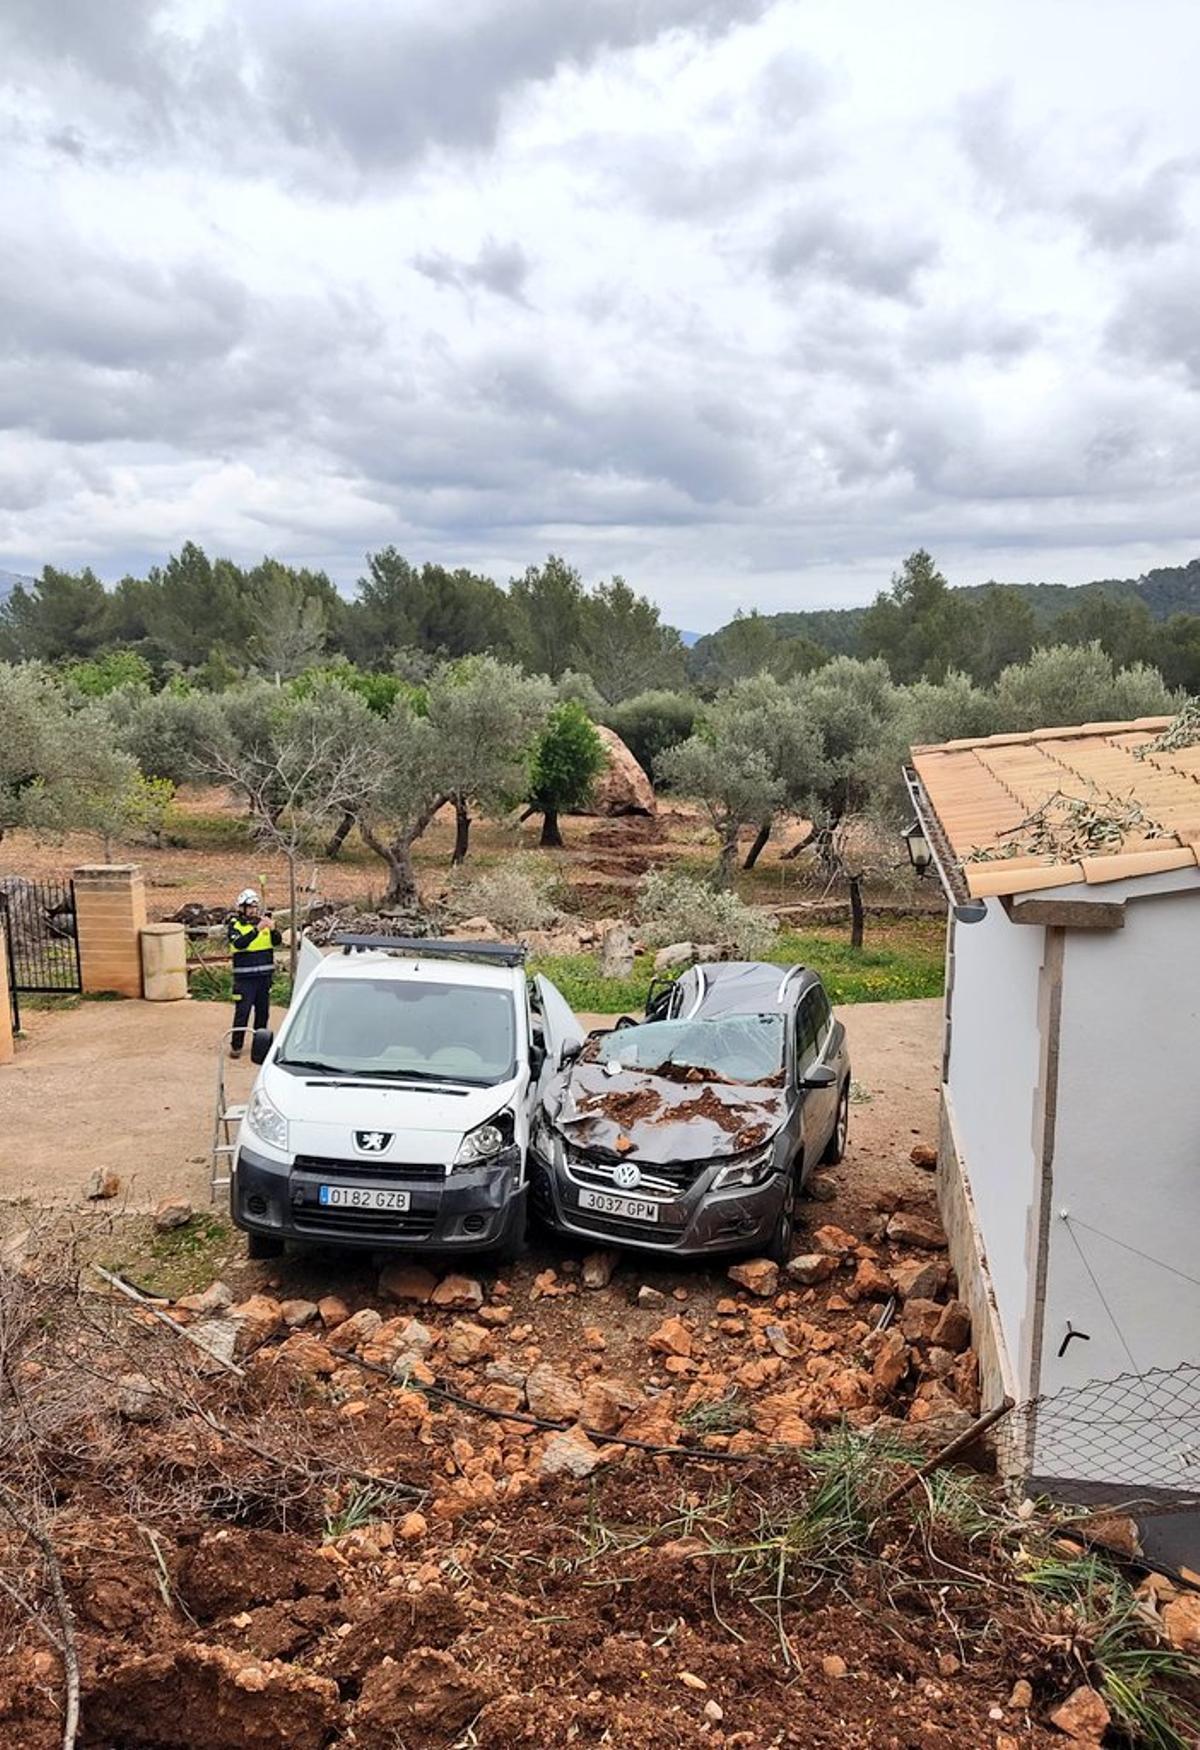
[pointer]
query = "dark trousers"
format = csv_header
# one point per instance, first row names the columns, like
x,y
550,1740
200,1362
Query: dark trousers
x,y
251,991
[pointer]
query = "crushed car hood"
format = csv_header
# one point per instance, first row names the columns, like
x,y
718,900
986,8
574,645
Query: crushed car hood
x,y
642,1117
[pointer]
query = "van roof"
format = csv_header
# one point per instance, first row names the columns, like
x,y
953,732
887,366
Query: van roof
x,y
371,963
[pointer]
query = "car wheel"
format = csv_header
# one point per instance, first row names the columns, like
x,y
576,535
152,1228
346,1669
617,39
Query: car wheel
x,y
835,1148
779,1246
263,1246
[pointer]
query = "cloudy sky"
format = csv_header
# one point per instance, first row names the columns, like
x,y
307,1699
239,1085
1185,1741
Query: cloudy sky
x,y
742,298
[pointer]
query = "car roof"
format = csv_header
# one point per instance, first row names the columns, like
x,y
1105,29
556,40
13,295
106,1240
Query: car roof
x,y
749,987
375,964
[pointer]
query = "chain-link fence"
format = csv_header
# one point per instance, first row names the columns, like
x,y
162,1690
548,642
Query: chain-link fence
x,y
1129,1445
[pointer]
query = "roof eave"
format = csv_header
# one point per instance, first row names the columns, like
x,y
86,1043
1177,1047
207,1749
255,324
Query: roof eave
x,y
966,909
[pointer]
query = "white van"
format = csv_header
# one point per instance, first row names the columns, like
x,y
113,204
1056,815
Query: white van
x,y
394,1108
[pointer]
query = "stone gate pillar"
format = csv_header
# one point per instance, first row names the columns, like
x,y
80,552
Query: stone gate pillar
x,y
110,911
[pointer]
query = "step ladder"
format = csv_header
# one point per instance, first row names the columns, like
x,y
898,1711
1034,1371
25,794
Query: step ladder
x,y
226,1119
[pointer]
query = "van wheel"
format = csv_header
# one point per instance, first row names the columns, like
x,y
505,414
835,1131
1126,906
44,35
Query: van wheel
x,y
835,1148
779,1246
263,1246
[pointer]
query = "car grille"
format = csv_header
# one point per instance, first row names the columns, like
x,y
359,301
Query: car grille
x,y
368,1167
664,1181
387,1223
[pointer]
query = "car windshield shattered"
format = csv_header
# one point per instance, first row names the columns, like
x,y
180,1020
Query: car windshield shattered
x,y
382,1027
735,1048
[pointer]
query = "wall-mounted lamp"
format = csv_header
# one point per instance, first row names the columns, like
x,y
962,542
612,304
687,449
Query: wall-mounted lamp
x,y
919,853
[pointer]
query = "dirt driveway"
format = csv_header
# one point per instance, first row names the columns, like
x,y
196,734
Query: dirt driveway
x,y
130,1086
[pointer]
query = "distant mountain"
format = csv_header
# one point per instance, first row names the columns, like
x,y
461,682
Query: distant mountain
x,y
1171,589
9,581
690,638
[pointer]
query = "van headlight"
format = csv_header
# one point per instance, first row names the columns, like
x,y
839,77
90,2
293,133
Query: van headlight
x,y
481,1145
265,1121
753,1169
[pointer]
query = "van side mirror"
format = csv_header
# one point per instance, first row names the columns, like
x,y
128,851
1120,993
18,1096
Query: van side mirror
x,y
819,1076
261,1041
568,1052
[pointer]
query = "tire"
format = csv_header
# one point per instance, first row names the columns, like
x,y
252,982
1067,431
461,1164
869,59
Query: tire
x,y
260,1246
835,1148
779,1247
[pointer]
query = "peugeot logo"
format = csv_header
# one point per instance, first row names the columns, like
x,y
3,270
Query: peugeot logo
x,y
627,1176
372,1142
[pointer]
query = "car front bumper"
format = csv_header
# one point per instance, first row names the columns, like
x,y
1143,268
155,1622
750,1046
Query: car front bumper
x,y
698,1222
464,1212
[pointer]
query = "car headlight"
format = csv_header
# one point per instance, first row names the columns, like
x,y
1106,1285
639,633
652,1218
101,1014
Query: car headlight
x,y
266,1122
750,1170
485,1142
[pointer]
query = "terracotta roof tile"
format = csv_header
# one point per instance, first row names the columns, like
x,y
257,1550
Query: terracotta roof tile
x,y
983,789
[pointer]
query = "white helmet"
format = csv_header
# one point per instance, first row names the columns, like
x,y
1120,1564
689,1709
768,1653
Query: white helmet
x,y
247,897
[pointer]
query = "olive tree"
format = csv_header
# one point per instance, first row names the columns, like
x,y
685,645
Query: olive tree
x,y
485,715
298,762
1078,684
59,769
753,753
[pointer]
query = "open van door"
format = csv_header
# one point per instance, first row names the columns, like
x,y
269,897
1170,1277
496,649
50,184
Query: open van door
x,y
307,961
560,1030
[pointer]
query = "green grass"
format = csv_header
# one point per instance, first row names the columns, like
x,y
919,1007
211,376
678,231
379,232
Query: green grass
x,y
904,960
1149,1686
214,984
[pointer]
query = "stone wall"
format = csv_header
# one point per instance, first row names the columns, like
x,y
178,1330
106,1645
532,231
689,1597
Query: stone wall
x,y
997,1378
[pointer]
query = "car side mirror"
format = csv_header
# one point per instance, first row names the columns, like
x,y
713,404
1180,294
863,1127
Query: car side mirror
x,y
819,1076
261,1041
568,1052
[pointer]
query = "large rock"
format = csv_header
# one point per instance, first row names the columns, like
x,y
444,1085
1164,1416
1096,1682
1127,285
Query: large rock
x,y
1083,1716
622,787
551,1395
916,1230
569,1454
617,952
757,1276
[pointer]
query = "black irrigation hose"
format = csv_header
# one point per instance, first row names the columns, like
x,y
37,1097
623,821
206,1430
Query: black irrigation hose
x,y
452,1397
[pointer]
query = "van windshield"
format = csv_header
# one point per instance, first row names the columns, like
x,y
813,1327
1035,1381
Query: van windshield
x,y
408,1029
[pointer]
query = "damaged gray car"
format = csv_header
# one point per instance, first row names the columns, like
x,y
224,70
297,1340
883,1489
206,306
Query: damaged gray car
x,y
694,1130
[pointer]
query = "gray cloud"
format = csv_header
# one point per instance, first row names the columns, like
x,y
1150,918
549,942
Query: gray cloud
x,y
502,268
821,243
881,314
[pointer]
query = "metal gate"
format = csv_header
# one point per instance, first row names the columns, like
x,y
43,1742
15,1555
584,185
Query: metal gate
x,y
40,936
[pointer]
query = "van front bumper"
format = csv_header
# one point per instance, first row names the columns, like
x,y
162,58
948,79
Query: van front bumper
x,y
463,1212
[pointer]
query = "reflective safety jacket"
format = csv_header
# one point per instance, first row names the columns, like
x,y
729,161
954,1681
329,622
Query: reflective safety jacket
x,y
252,946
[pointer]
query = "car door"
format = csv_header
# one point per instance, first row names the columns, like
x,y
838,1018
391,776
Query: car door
x,y
560,1028
814,1038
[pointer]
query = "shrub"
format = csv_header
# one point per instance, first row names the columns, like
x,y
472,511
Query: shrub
x,y
517,896
673,907
651,723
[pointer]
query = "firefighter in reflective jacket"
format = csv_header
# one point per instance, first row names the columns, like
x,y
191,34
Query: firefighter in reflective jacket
x,y
253,939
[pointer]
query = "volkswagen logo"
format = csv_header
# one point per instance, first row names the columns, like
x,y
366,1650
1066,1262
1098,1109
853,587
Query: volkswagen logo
x,y
627,1176
372,1142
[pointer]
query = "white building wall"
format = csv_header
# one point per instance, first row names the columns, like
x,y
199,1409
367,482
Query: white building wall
x,y
992,1078
1126,1164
